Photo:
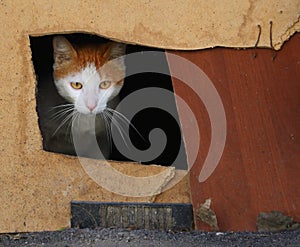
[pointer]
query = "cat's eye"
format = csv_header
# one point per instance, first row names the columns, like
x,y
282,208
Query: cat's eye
x,y
76,85
105,84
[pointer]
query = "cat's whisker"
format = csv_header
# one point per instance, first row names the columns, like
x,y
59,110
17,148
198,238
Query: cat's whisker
x,y
108,127
108,130
76,117
69,126
66,119
61,106
119,128
58,110
61,113
124,119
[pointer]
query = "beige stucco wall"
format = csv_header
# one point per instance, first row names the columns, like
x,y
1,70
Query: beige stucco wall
x,y
36,186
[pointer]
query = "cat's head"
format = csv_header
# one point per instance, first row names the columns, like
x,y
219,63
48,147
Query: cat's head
x,y
88,76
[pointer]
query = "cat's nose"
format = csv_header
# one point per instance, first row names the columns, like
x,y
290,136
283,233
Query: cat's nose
x,y
91,103
91,107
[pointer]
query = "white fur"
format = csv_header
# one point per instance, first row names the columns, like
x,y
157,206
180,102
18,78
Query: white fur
x,y
90,95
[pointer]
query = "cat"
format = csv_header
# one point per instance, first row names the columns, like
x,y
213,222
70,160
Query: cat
x,y
88,79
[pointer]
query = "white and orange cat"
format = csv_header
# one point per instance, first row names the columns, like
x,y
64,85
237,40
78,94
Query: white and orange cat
x,y
90,91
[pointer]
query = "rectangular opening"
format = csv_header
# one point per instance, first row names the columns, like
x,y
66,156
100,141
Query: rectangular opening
x,y
147,77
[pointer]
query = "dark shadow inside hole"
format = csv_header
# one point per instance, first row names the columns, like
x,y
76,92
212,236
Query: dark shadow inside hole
x,y
144,121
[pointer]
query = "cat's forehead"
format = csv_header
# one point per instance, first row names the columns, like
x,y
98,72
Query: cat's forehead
x,y
88,74
92,54
88,59
89,71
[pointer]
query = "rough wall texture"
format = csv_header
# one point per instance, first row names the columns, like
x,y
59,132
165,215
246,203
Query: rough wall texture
x,y
191,24
36,186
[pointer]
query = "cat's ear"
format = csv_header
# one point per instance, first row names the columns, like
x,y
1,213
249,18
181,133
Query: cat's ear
x,y
117,50
63,52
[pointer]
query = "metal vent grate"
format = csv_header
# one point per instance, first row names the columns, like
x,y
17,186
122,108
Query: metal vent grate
x,y
153,216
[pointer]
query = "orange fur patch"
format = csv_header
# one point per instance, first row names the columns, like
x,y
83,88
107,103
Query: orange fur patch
x,y
97,54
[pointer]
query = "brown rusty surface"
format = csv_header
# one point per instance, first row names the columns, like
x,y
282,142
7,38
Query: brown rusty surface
x,y
260,167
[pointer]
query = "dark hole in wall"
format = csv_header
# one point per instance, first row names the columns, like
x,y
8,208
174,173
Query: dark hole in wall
x,y
144,121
